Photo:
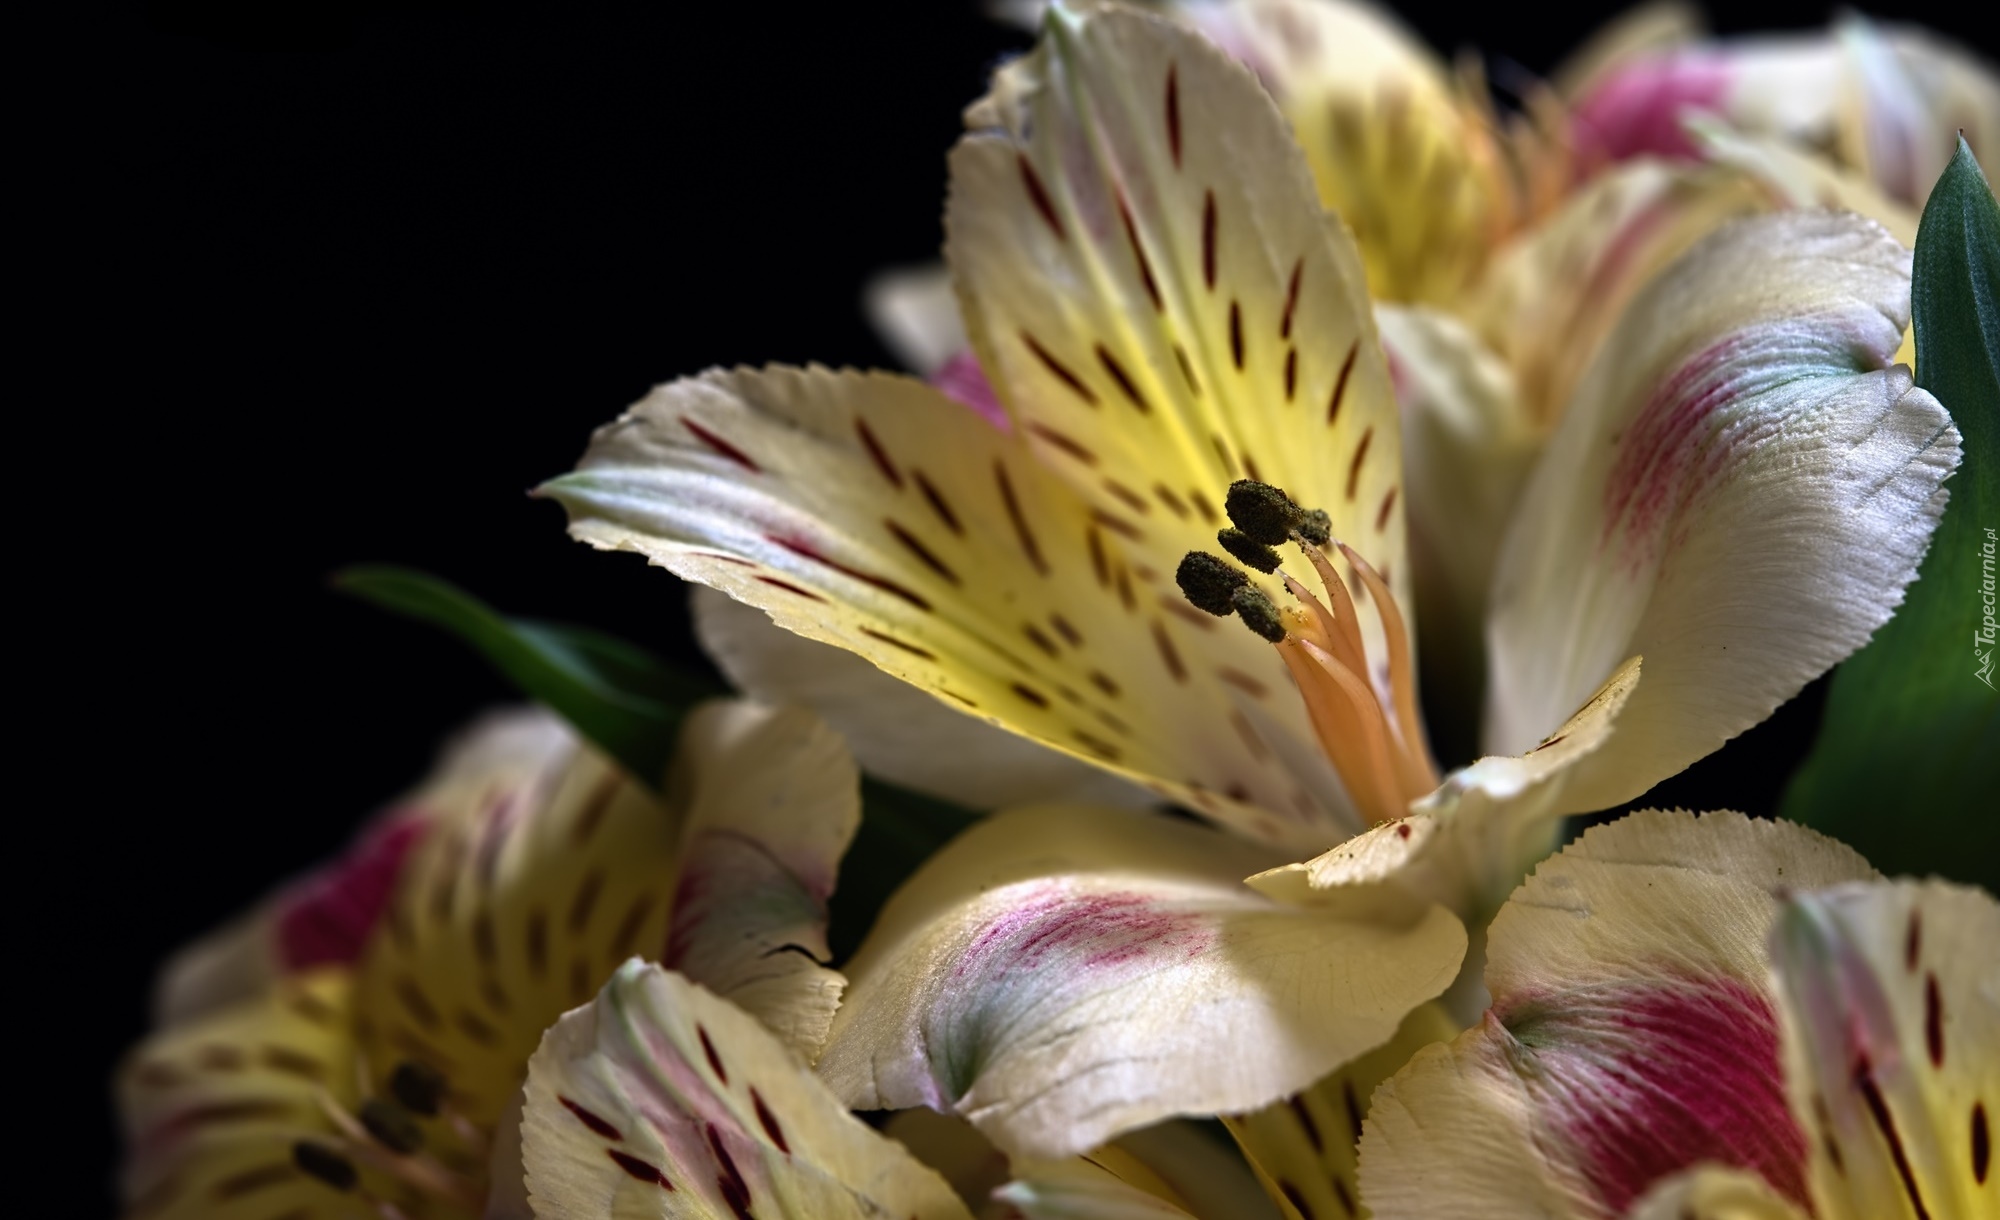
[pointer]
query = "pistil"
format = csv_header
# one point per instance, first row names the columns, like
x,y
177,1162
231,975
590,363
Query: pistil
x,y
1376,745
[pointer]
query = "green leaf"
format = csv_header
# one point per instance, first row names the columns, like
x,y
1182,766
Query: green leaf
x,y
630,705
617,695
1903,768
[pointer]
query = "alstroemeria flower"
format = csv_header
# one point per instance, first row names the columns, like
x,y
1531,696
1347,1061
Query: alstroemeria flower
x,y
1884,101
1710,1018
1738,491
383,1075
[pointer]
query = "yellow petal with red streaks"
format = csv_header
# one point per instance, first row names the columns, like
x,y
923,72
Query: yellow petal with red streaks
x,y
1146,274
1890,997
869,511
519,907
1305,1148
1410,168
213,1107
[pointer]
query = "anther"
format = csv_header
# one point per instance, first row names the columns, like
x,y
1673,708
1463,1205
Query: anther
x,y
1258,612
1207,582
319,1161
1251,552
391,1125
1315,527
1261,511
419,1088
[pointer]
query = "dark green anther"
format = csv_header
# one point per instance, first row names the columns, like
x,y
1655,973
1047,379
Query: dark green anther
x,y
319,1161
1257,610
1251,552
1316,527
418,1088
391,1125
1207,581
1260,510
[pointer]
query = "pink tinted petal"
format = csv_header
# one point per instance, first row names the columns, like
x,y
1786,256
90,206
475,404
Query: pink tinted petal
x,y
1638,109
962,380
1645,1081
325,918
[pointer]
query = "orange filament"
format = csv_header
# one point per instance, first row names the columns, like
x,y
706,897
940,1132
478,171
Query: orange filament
x,y
1379,750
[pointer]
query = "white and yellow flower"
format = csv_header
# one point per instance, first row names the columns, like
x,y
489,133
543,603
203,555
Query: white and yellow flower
x,y
1713,1018
1883,101
1732,500
382,1077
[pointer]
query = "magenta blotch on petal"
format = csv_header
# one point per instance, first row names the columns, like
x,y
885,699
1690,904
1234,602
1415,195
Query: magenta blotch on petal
x,y
325,918
1643,1082
1638,109
962,380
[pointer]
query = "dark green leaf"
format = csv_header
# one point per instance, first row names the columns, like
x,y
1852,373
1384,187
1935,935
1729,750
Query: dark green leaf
x,y
615,694
1903,768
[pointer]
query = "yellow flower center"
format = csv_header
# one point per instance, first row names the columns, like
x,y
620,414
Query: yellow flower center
x,y
1373,736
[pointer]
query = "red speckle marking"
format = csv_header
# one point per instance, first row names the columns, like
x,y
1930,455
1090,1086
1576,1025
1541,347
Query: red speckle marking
x,y
639,1169
590,1119
805,551
721,446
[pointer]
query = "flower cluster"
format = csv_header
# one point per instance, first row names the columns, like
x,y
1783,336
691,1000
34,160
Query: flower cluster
x,y
1270,358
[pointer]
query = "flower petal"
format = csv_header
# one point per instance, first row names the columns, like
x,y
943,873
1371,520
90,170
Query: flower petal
x,y
915,315
213,1106
1891,1005
868,511
1468,844
327,916
1739,492
1632,1034
1148,278
518,907
1551,297
1305,1148
896,731
772,800
660,1099
1084,1189
1392,151
1468,444
1715,1193
1059,975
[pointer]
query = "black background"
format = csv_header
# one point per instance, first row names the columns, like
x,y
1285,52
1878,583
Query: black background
x,y
347,282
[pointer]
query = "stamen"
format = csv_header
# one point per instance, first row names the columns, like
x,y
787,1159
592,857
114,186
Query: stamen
x,y
1252,553
1258,612
419,1172
1375,740
1207,582
1261,511
316,1160
392,1126
417,1087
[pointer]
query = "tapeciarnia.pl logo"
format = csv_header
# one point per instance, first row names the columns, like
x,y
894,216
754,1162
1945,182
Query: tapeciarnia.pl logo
x,y
1982,639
